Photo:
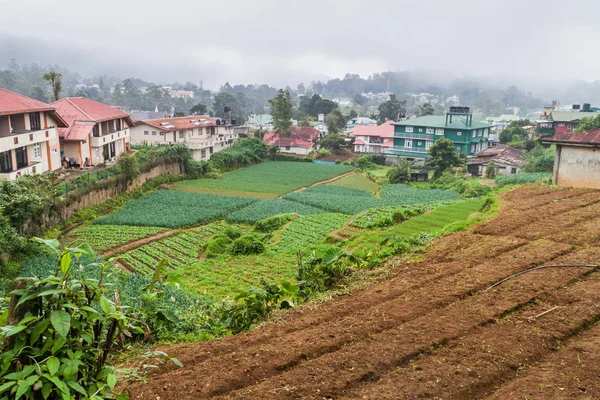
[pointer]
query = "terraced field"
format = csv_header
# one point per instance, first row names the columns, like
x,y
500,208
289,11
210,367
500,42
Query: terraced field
x,y
432,330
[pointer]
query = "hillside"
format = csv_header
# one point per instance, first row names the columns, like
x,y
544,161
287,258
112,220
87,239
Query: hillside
x,y
432,330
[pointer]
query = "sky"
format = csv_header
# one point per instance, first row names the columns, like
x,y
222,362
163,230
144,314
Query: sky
x,y
285,42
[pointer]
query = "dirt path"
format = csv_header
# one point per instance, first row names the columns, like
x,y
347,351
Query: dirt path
x,y
336,178
432,330
137,243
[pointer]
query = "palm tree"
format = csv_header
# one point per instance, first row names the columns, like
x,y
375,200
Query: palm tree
x,y
55,80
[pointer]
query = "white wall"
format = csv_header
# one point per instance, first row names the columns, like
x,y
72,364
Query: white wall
x,y
577,167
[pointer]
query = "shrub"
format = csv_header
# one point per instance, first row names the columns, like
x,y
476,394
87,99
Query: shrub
x,y
217,245
338,161
271,224
232,233
248,244
490,170
522,178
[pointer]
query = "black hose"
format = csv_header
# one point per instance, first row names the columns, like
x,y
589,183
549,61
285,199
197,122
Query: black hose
x,y
542,267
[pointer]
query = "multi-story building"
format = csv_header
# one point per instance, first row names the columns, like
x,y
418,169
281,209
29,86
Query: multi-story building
x,y
96,133
28,136
202,134
414,137
374,138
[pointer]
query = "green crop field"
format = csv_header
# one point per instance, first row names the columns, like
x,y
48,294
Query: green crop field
x,y
308,230
174,209
428,223
522,178
275,177
105,237
352,201
267,208
356,181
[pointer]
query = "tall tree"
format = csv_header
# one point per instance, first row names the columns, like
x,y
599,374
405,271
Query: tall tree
x,y
393,109
198,109
443,156
281,112
335,121
55,80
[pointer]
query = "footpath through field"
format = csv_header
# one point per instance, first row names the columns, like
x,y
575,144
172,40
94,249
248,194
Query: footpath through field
x,y
432,330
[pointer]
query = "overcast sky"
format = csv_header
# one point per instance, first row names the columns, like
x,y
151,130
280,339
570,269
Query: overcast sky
x,y
287,41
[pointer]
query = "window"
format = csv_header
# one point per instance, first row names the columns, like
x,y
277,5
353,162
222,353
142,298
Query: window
x,y
473,148
96,130
181,135
474,133
561,124
153,133
5,161
146,133
287,148
486,132
429,130
428,144
459,133
161,134
34,121
203,153
513,170
408,143
439,131
37,151
21,156
408,129
118,124
478,132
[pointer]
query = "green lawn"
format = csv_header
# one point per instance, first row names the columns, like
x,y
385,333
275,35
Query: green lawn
x,y
274,178
356,181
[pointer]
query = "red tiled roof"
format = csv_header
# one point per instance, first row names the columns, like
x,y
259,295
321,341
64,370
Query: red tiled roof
x,y
305,132
78,131
179,123
388,143
287,141
589,138
385,130
358,141
82,109
502,154
14,103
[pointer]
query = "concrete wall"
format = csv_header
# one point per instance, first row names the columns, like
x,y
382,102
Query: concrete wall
x,y
576,166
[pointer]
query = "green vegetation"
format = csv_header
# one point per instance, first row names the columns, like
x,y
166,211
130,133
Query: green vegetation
x,y
352,201
385,216
274,177
518,179
356,181
267,208
273,223
539,159
105,237
309,230
174,209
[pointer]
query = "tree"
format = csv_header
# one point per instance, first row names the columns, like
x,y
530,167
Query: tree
x,y
426,109
391,109
400,171
332,141
513,133
39,93
539,159
335,121
351,115
443,156
588,123
305,122
55,80
198,109
281,112
490,170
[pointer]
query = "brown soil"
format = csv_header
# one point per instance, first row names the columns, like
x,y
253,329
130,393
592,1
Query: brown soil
x,y
432,331
137,243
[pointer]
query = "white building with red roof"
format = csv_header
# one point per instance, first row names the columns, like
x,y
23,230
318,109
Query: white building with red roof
x,y
302,140
96,132
29,141
203,135
374,139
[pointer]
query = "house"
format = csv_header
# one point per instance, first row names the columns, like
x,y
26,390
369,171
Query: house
x,y
577,160
29,141
414,137
203,135
557,122
260,121
373,139
302,140
96,132
507,160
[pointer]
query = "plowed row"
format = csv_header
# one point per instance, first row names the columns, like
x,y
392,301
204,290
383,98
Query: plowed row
x,y
433,331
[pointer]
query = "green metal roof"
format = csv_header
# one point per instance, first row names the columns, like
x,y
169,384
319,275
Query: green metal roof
x,y
408,153
568,116
439,121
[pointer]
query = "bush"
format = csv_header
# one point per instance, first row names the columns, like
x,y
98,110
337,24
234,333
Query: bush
x,y
400,172
271,224
490,170
217,245
232,233
248,244
338,161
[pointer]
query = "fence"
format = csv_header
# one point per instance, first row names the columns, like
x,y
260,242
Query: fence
x,y
86,180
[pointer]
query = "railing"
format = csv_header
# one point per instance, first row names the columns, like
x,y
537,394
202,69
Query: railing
x,y
422,136
27,170
410,149
98,141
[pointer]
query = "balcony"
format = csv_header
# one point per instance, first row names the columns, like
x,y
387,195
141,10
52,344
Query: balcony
x,y
410,149
27,170
98,141
16,140
197,144
422,136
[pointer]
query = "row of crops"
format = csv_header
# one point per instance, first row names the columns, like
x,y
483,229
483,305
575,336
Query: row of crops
x,y
105,237
353,201
267,208
309,230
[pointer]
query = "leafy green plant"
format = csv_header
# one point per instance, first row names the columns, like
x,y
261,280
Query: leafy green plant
x,y
66,328
271,224
250,243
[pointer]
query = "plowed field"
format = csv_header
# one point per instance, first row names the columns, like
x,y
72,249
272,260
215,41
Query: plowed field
x,y
433,331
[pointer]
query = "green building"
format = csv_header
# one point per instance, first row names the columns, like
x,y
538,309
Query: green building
x,y
414,137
